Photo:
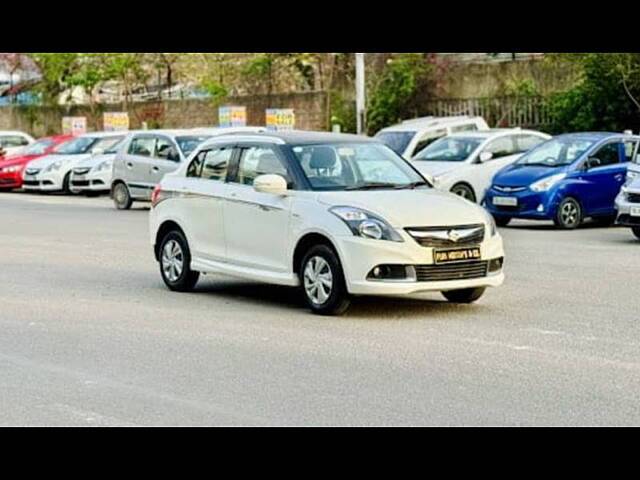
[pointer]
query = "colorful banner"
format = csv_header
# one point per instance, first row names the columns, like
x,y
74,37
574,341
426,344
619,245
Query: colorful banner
x,y
280,119
232,116
74,125
115,121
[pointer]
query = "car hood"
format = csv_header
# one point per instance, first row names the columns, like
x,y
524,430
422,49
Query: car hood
x,y
47,160
16,160
95,160
523,175
407,208
634,186
436,169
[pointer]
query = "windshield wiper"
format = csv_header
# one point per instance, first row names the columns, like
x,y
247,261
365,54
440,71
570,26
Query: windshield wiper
x,y
411,185
370,185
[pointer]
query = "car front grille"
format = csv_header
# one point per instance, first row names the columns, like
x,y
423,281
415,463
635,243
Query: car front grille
x,y
451,271
450,236
81,171
32,171
503,188
31,183
633,197
80,183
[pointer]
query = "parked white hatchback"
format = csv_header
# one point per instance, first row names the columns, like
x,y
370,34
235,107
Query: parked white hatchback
x,y
465,163
13,142
335,214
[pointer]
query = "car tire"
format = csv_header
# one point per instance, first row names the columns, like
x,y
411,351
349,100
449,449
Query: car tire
x,y
636,231
501,221
465,191
174,258
322,281
568,214
66,184
465,295
121,196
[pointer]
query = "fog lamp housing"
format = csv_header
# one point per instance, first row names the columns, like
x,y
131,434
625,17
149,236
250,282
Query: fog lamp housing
x,y
495,264
390,272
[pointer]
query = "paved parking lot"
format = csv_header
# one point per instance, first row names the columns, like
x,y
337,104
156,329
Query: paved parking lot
x,y
91,336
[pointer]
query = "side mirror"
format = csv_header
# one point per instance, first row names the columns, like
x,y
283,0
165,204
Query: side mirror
x,y
270,183
485,157
97,151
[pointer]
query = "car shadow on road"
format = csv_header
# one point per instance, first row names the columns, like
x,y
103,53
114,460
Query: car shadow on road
x,y
588,225
365,307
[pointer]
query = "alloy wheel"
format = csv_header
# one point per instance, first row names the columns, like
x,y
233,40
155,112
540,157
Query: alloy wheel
x,y
569,214
172,260
318,280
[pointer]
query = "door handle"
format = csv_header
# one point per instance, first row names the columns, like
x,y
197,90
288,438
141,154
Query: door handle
x,y
155,169
129,165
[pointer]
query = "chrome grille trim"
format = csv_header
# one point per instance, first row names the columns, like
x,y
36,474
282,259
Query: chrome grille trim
x,y
452,271
633,197
501,188
449,236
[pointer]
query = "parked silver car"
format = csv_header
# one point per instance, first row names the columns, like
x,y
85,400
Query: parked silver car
x,y
628,206
146,156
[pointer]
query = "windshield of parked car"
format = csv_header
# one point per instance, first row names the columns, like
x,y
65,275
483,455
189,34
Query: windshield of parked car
x,y
356,166
449,149
396,141
556,152
38,148
85,144
189,143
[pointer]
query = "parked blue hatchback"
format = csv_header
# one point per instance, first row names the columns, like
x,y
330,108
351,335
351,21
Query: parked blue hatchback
x,y
565,179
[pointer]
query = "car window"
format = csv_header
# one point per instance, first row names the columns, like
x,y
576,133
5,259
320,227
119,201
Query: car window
x,y
427,139
607,154
396,141
467,127
256,161
211,164
524,143
142,146
39,147
629,150
501,147
13,141
166,150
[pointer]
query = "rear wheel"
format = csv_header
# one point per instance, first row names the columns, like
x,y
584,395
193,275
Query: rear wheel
x,y
322,280
502,221
636,231
569,214
66,184
465,191
465,295
122,197
175,262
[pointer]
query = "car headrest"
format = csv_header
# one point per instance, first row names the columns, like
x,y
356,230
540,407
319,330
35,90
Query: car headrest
x,y
269,163
322,157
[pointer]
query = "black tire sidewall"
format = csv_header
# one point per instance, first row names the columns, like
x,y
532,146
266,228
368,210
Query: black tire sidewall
x,y
338,300
636,231
467,188
501,221
185,281
558,216
126,204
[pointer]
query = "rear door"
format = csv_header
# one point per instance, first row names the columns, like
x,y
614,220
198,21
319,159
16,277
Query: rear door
x,y
136,163
165,159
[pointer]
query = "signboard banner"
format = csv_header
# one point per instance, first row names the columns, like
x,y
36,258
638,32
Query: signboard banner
x,y
74,125
115,121
232,116
279,119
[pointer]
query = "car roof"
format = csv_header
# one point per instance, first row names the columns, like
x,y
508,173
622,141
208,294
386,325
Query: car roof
x,y
13,132
429,122
596,135
104,134
493,132
303,137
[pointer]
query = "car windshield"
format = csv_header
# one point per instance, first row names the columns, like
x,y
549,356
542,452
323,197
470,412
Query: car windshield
x,y
85,144
450,149
38,148
355,166
189,143
396,141
556,152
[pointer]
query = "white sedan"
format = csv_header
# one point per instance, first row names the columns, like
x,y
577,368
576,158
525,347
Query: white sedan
x,y
465,163
336,215
12,142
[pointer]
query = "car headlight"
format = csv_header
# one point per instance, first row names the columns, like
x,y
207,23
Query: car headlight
x,y
546,183
493,229
53,166
365,224
106,165
14,168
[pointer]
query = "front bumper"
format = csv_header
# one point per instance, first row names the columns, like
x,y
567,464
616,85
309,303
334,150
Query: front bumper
x,y
360,255
530,205
43,182
11,179
91,182
627,211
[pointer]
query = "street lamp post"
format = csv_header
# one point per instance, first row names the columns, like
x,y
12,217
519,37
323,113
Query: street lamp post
x,y
360,94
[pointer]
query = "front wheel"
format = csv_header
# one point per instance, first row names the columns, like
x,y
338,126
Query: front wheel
x,y
465,191
636,231
322,280
122,197
465,295
569,214
175,263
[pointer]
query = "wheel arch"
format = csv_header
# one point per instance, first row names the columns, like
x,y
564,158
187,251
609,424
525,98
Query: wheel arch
x,y
466,184
164,228
307,241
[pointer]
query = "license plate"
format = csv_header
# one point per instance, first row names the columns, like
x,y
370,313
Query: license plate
x,y
456,255
635,211
506,201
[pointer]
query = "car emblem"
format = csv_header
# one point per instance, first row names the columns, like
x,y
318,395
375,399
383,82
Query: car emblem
x,y
453,235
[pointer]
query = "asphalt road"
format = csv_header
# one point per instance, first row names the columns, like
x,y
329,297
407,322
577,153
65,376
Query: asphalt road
x,y
89,335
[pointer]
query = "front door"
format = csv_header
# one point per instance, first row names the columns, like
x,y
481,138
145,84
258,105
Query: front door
x,y
256,224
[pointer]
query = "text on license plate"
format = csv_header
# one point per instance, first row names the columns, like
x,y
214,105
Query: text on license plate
x,y
635,211
457,255
508,201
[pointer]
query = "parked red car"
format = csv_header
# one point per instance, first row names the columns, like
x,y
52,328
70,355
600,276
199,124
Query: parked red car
x,y
12,167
